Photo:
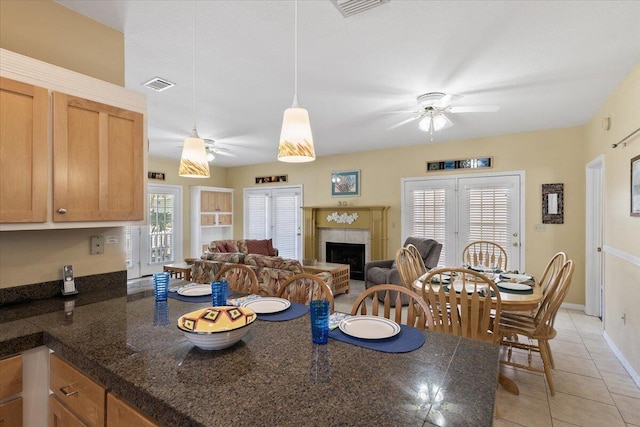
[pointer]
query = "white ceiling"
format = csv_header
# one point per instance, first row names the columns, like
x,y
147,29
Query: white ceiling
x,y
547,64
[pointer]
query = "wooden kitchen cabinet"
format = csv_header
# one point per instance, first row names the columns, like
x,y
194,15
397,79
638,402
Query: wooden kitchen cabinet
x,y
72,149
211,216
79,395
121,414
23,152
97,161
61,416
11,384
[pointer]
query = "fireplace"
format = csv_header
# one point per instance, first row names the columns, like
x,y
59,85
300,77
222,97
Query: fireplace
x,y
348,253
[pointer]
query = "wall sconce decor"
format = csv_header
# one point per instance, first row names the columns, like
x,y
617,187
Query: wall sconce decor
x,y
553,203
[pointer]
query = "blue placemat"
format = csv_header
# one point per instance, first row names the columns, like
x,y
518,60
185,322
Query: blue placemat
x,y
201,298
408,339
296,310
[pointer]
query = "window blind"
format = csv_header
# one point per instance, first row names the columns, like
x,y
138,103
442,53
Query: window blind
x,y
428,216
256,210
284,223
489,215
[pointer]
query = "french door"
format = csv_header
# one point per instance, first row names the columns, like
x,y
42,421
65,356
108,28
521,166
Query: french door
x,y
275,213
151,246
460,209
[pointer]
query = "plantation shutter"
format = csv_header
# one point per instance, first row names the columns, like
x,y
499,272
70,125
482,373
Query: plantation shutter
x,y
256,226
428,216
489,215
285,226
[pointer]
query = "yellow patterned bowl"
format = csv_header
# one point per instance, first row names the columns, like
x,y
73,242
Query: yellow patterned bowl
x,y
216,328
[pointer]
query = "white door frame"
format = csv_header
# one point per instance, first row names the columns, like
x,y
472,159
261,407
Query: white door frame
x,y
140,235
594,213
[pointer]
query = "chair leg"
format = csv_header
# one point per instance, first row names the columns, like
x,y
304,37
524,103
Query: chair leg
x,y
553,364
546,362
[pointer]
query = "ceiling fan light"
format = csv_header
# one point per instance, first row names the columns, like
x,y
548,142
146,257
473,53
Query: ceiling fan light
x,y
296,141
193,163
210,156
439,122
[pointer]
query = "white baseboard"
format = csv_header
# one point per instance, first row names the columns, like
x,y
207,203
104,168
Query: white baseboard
x,y
569,306
634,375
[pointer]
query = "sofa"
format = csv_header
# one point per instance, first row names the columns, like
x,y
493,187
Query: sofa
x,y
384,272
271,271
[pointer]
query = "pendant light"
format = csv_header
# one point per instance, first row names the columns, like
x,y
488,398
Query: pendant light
x,y
193,163
296,141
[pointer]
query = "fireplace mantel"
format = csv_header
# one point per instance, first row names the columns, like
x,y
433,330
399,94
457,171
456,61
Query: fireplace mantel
x,y
372,218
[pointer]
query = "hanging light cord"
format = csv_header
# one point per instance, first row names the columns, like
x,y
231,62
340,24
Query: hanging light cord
x,y
193,86
295,57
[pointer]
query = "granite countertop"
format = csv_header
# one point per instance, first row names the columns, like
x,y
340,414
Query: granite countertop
x,y
274,376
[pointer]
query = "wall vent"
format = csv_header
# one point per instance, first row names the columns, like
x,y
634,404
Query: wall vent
x,y
353,7
158,84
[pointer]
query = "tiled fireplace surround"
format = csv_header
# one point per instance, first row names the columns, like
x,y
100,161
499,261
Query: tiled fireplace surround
x,y
343,235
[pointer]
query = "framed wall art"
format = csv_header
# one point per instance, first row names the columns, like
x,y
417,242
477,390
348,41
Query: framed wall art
x,y
635,186
345,183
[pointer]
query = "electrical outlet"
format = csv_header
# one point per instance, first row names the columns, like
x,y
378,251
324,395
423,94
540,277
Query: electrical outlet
x,y
540,228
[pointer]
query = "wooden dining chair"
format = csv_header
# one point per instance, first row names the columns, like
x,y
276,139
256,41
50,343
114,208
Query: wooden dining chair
x,y
410,266
485,253
303,288
416,254
417,314
472,312
551,271
240,277
538,329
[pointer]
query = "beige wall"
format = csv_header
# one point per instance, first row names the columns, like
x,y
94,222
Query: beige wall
x,y
52,33
621,231
546,157
218,178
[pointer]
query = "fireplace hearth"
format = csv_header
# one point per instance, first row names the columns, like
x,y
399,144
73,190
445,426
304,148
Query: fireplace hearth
x,y
347,253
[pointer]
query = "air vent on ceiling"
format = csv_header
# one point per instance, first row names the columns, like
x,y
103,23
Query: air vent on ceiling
x,y
353,7
158,84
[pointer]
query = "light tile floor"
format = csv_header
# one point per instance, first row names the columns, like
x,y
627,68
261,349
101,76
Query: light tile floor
x,y
592,387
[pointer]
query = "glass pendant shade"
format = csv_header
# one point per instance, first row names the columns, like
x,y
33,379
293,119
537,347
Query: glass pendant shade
x,y
439,122
296,141
193,163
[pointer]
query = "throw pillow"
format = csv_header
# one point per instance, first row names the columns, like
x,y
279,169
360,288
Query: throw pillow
x,y
231,246
260,247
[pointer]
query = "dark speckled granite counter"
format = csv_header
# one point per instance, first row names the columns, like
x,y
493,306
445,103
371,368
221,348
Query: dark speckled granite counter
x,y
274,376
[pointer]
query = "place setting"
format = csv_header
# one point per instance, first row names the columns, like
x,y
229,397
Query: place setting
x,y
194,292
374,332
515,283
274,309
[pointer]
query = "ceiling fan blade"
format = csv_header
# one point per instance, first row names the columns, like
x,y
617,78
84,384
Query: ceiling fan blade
x,y
475,109
400,112
404,122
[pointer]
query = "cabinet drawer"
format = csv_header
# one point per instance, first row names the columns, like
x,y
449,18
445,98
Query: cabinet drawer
x,y
121,414
11,413
59,415
11,378
81,395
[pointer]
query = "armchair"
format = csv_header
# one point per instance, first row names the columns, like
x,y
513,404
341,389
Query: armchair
x,y
385,272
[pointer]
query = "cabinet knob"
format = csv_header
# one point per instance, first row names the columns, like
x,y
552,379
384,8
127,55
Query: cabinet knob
x,y
62,211
66,390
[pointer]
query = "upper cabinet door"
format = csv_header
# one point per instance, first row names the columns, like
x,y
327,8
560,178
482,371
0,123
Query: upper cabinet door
x,y
97,161
23,152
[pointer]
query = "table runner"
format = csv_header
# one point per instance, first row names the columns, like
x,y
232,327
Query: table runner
x,y
296,310
408,339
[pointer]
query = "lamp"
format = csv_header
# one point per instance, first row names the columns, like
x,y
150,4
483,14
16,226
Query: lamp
x,y
433,122
193,162
296,141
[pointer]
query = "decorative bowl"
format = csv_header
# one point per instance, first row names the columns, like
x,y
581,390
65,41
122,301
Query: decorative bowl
x,y
216,328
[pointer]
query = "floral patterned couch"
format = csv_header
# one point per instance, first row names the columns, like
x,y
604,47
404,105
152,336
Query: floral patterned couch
x,y
271,271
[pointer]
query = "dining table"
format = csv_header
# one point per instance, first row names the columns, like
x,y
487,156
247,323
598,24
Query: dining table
x,y
510,300
275,375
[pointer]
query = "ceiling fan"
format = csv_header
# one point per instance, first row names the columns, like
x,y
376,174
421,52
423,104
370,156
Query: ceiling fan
x,y
213,149
433,110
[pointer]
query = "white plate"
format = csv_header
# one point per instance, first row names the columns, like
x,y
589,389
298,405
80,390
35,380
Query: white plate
x,y
469,288
517,277
369,327
195,290
514,286
266,305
